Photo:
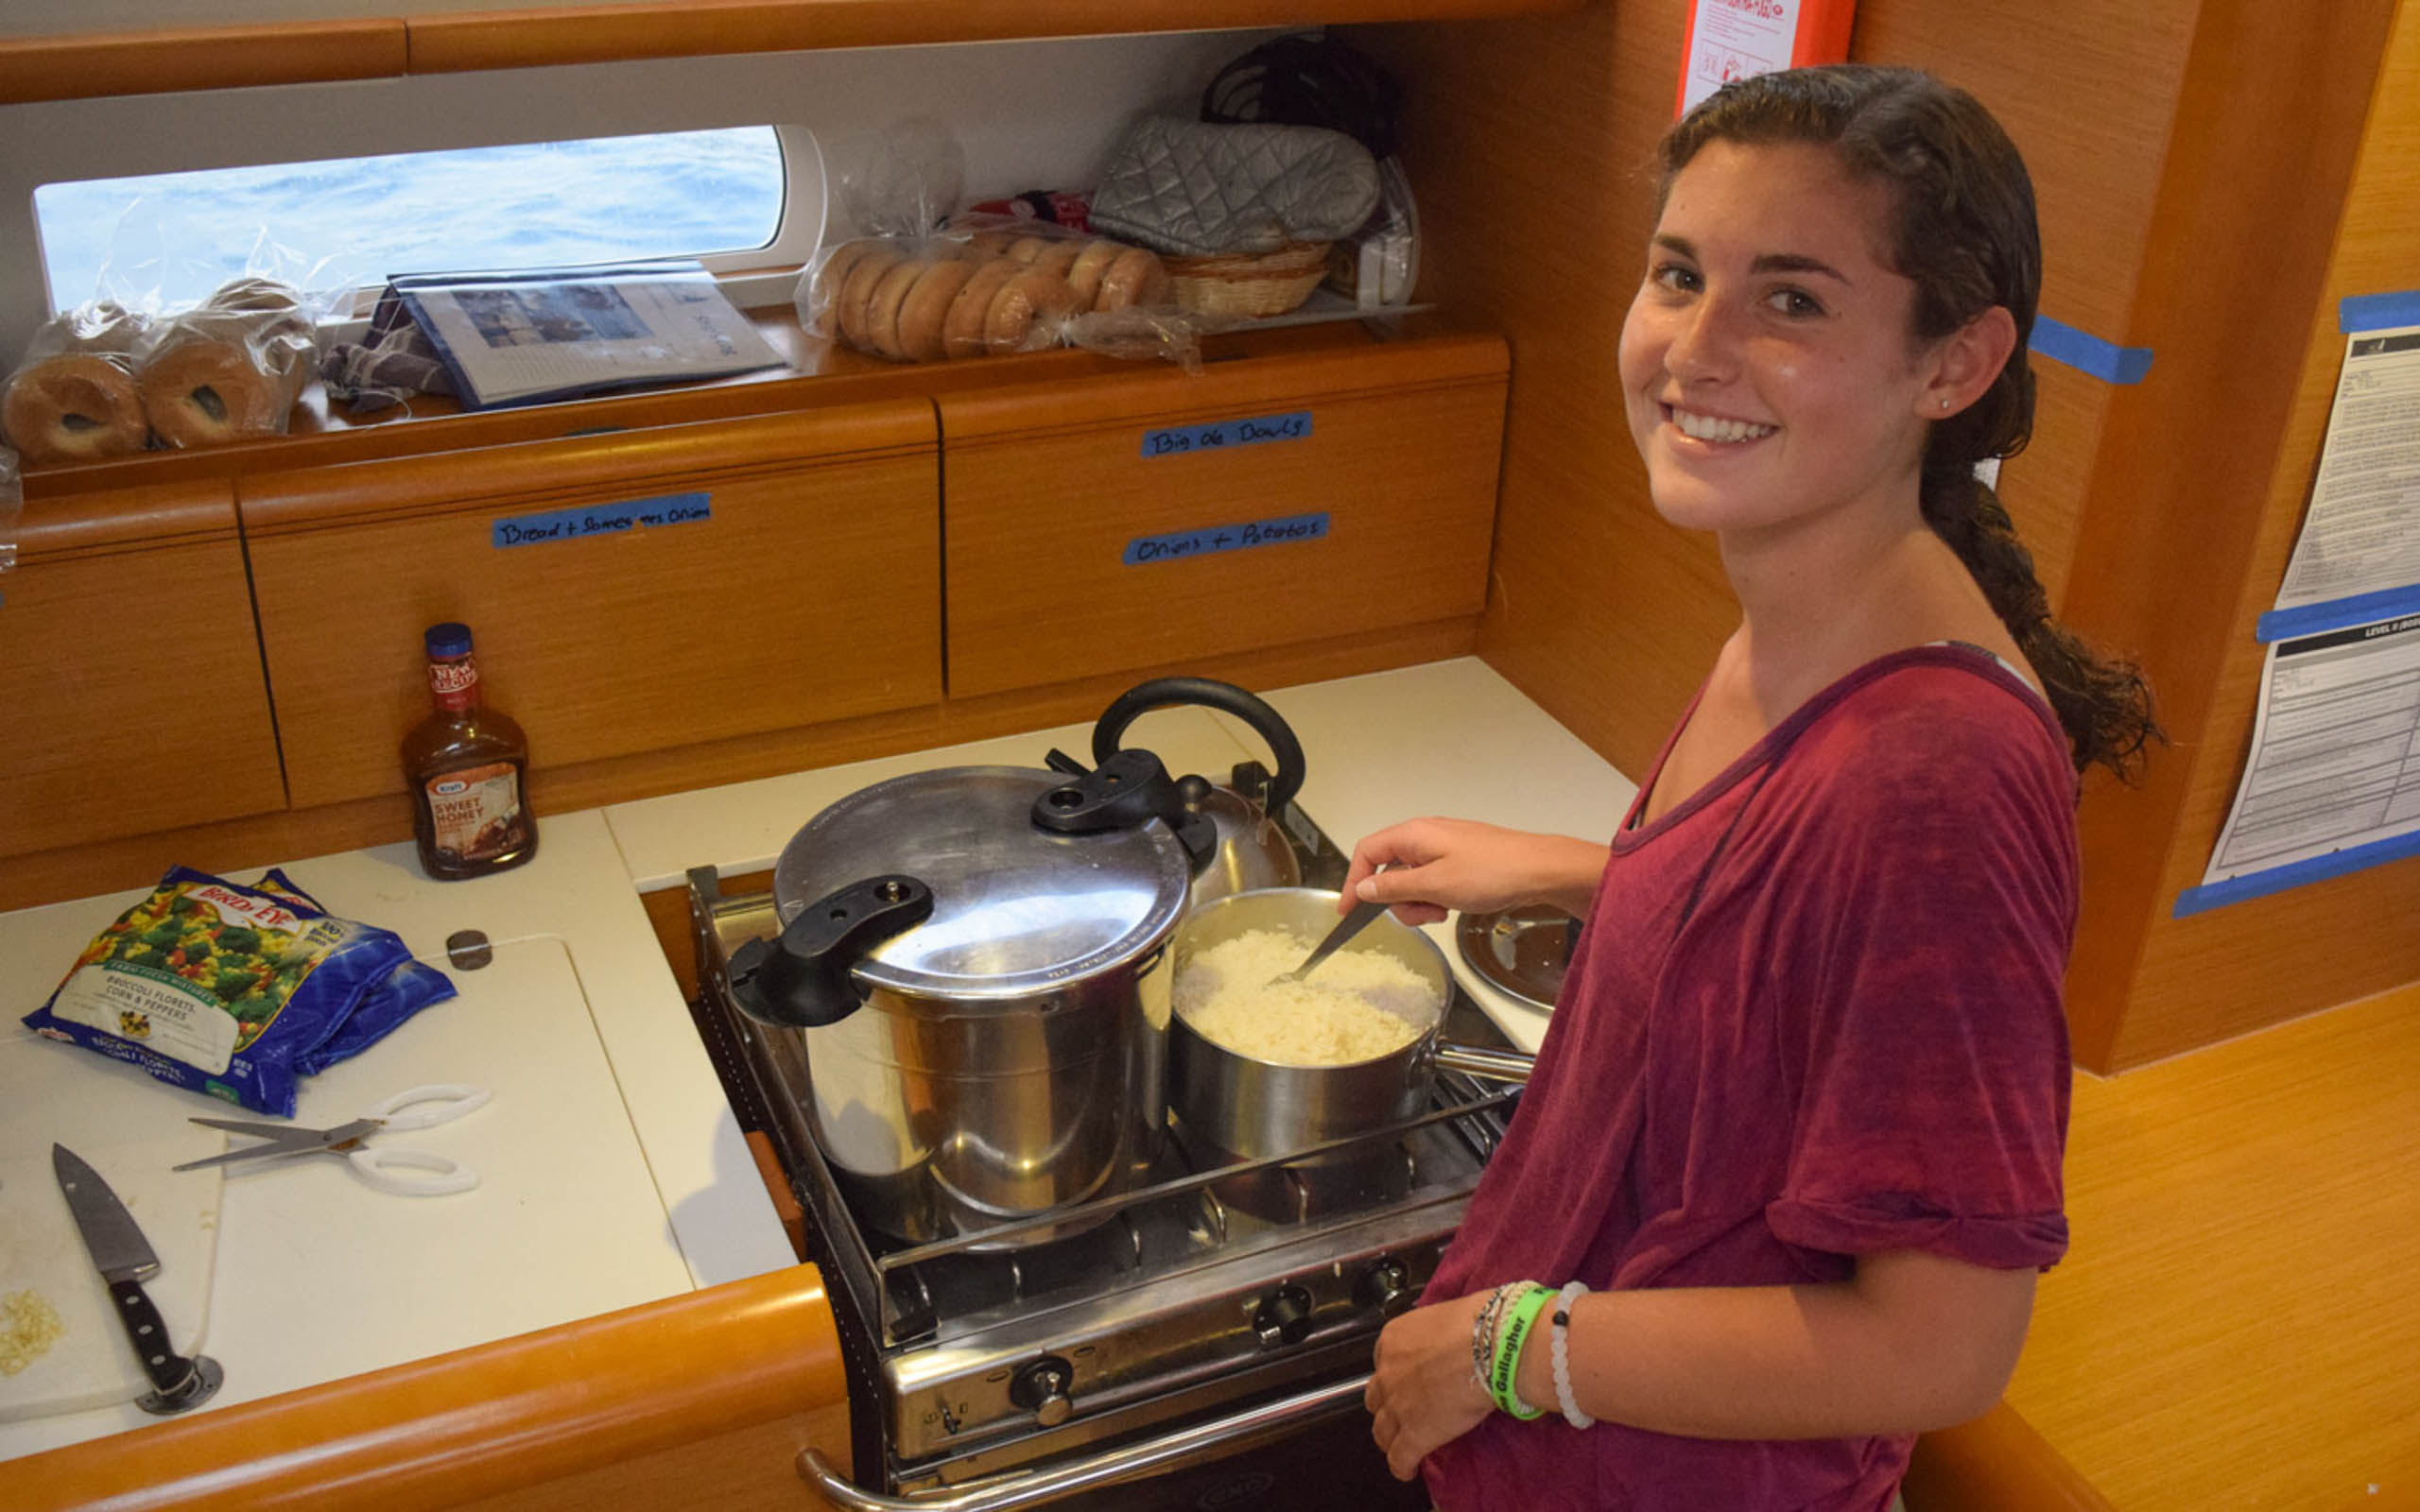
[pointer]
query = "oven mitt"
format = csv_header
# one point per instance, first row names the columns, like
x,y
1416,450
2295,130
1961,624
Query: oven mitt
x,y
1199,189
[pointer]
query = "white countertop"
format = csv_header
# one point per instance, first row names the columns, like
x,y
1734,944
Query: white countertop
x,y
613,1171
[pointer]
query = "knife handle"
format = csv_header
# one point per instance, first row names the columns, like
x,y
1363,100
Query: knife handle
x,y
177,1383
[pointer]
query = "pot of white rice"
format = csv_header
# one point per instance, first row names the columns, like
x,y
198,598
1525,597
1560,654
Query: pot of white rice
x,y
1259,1067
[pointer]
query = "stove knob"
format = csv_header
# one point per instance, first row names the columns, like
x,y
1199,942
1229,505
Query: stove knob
x,y
1387,1287
1041,1388
1283,1316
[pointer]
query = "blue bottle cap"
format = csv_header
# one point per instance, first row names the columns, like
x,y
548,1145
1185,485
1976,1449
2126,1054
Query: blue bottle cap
x,y
448,640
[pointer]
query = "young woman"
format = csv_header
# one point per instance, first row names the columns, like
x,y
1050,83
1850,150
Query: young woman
x,y
1791,1158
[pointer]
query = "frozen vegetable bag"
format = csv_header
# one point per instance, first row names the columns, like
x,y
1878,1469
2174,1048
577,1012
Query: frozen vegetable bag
x,y
218,988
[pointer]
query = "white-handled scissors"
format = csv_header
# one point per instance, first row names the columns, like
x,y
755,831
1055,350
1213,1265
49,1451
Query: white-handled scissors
x,y
405,1172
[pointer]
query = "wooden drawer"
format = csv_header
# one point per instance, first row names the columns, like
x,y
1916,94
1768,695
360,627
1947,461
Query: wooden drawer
x,y
1138,520
129,671
767,573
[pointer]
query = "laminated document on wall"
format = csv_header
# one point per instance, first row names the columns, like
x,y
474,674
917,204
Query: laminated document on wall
x,y
2333,781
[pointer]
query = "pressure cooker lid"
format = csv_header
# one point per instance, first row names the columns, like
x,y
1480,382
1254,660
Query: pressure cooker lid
x,y
1016,909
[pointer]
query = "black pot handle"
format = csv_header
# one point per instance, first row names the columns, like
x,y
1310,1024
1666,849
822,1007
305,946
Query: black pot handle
x,y
1168,692
800,980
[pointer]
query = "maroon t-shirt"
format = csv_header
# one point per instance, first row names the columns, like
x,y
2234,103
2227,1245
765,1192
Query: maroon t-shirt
x,y
1815,1014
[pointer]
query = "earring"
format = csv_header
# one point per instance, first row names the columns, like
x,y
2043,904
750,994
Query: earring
x,y
1945,403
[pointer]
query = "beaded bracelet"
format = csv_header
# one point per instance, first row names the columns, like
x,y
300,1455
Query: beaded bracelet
x,y
1571,1293
1503,1374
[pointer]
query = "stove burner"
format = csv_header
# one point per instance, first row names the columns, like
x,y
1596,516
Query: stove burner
x,y
1216,1284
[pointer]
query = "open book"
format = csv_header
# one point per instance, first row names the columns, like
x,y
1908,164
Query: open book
x,y
539,334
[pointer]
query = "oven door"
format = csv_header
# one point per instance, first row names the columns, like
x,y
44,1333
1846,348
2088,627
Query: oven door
x,y
1311,1449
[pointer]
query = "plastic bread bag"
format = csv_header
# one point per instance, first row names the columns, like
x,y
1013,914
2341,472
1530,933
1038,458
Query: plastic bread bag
x,y
984,287
72,395
407,988
218,988
229,370
12,507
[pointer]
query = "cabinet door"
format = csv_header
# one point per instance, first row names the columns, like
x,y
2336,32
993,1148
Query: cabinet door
x,y
129,673
1138,520
628,592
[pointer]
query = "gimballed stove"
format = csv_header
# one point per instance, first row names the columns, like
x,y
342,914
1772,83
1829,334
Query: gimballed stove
x,y
1200,1340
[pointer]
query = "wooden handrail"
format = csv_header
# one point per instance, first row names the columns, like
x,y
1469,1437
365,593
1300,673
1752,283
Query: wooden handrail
x,y
81,66
480,1421
85,64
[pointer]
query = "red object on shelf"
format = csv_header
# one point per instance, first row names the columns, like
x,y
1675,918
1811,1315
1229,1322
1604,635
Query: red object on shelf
x,y
1737,39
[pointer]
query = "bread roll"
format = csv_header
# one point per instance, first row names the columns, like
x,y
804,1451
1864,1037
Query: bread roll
x,y
921,314
1025,248
208,382
865,276
1024,315
1059,255
882,307
1135,277
1084,274
76,408
260,296
831,276
962,328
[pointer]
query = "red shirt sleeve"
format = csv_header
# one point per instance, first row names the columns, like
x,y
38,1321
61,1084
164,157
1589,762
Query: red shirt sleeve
x,y
1933,1072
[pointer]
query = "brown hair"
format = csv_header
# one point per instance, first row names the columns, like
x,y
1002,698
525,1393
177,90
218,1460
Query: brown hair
x,y
1965,232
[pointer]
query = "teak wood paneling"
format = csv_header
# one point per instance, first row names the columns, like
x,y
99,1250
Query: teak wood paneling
x,y
1048,485
2234,968
2268,125
695,1400
812,594
128,672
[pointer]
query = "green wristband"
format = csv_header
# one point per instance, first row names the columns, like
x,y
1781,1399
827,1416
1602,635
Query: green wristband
x,y
1506,1370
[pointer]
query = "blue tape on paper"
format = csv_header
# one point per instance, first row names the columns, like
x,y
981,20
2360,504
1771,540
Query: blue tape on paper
x,y
2337,615
2086,353
601,520
1227,434
2378,312
2300,873
1214,538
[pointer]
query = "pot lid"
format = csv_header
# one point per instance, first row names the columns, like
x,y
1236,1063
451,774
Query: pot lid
x,y
1016,909
1521,952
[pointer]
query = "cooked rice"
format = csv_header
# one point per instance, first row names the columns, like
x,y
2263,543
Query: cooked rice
x,y
1358,1006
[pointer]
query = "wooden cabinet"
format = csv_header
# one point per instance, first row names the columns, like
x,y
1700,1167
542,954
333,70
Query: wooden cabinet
x,y
1139,518
630,593
129,678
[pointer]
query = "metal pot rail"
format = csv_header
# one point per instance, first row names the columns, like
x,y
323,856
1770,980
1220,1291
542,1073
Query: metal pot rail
x,y
904,1260
1026,1489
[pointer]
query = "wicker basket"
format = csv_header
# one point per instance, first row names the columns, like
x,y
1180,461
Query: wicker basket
x,y
1238,283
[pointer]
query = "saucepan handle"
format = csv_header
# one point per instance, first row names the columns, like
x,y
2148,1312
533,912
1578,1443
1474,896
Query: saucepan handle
x,y
1495,1065
1050,1483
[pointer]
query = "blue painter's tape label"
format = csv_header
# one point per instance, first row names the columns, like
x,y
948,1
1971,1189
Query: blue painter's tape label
x,y
1227,434
602,519
1184,543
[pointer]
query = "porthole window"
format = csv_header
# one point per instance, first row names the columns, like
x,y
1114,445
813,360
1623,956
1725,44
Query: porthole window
x,y
716,194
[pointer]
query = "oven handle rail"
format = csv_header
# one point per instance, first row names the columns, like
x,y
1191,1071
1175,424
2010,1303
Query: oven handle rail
x,y
1025,1488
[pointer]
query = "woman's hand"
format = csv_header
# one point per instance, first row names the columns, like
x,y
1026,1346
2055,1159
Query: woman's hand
x,y
1437,866
1422,1391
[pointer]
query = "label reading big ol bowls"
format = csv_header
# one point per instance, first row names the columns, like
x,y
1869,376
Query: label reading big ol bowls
x,y
1227,434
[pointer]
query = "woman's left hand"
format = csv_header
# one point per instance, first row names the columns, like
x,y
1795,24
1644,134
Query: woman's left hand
x,y
1422,1391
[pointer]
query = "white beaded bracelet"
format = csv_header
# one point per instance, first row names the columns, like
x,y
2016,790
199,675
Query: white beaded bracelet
x,y
1571,1293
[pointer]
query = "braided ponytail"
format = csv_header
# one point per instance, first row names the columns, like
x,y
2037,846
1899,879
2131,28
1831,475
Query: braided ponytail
x,y
1964,233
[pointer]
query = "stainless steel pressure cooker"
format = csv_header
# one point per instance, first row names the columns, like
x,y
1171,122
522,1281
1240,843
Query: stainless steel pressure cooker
x,y
976,959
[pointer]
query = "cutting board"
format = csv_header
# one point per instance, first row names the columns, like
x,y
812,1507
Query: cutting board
x,y
130,1129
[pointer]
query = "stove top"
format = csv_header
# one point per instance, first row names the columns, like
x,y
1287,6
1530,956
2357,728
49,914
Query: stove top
x,y
1211,1284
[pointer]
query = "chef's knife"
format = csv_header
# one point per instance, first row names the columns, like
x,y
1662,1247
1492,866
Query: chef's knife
x,y
124,1258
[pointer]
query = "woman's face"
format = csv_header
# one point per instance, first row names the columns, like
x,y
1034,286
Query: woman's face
x,y
1765,364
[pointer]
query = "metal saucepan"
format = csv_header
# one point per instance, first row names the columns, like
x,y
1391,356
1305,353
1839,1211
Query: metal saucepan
x,y
1251,1108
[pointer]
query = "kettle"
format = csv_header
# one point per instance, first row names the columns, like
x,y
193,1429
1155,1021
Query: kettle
x,y
1249,850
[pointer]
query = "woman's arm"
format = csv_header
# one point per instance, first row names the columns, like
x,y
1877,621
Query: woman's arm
x,y
1437,866
1914,1341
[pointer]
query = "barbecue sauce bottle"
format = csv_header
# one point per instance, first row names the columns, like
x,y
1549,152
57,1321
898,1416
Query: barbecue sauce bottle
x,y
468,769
